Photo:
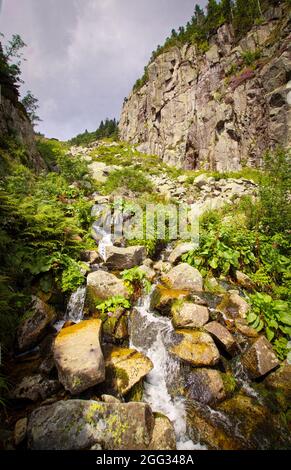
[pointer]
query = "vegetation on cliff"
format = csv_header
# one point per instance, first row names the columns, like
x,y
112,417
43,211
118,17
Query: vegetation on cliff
x,y
241,14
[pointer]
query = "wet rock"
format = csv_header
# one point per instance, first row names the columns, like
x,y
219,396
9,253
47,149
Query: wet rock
x,y
189,315
20,431
181,250
163,437
222,335
233,306
34,388
34,325
80,425
244,280
196,348
78,356
184,277
163,298
124,258
239,423
102,285
260,358
125,368
205,386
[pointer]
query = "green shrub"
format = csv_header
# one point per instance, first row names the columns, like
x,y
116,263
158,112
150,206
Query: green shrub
x,y
273,317
135,280
128,178
111,305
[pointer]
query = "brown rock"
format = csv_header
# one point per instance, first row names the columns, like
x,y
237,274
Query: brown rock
x,y
184,277
205,386
260,358
222,335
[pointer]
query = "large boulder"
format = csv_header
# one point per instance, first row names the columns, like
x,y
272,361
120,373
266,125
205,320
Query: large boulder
x,y
181,250
260,358
102,285
125,368
124,258
35,323
196,348
80,425
78,356
184,277
222,336
205,386
189,315
279,384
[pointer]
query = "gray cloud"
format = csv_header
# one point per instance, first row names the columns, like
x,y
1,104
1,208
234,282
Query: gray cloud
x,y
83,56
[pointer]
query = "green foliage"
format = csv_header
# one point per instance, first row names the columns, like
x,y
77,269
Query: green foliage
x,y
72,276
106,129
275,210
249,57
10,62
274,318
135,279
111,306
129,178
30,103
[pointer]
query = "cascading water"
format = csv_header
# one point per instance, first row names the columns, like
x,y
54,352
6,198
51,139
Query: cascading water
x,y
75,308
151,334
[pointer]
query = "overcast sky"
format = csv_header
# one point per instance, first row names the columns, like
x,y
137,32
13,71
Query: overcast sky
x,y
83,56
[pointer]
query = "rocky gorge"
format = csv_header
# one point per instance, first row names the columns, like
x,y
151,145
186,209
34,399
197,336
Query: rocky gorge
x,y
117,339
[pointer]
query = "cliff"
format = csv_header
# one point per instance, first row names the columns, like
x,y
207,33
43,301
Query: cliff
x,y
218,110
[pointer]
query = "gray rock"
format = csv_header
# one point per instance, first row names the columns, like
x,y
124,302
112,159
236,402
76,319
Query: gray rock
x,y
35,323
34,388
80,425
179,251
222,335
184,277
205,386
189,315
102,285
124,258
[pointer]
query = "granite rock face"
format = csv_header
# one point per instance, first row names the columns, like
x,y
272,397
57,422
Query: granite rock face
x,y
211,110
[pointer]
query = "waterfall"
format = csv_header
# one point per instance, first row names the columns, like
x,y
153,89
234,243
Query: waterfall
x,y
75,308
151,334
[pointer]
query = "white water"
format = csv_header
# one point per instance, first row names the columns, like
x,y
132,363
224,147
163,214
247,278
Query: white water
x,y
150,334
75,308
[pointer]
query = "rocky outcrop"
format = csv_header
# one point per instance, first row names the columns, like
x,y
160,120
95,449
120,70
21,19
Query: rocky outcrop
x,y
214,110
14,122
78,356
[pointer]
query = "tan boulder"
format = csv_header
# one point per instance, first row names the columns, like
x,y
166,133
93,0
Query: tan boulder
x,y
184,277
78,356
222,335
189,315
260,358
